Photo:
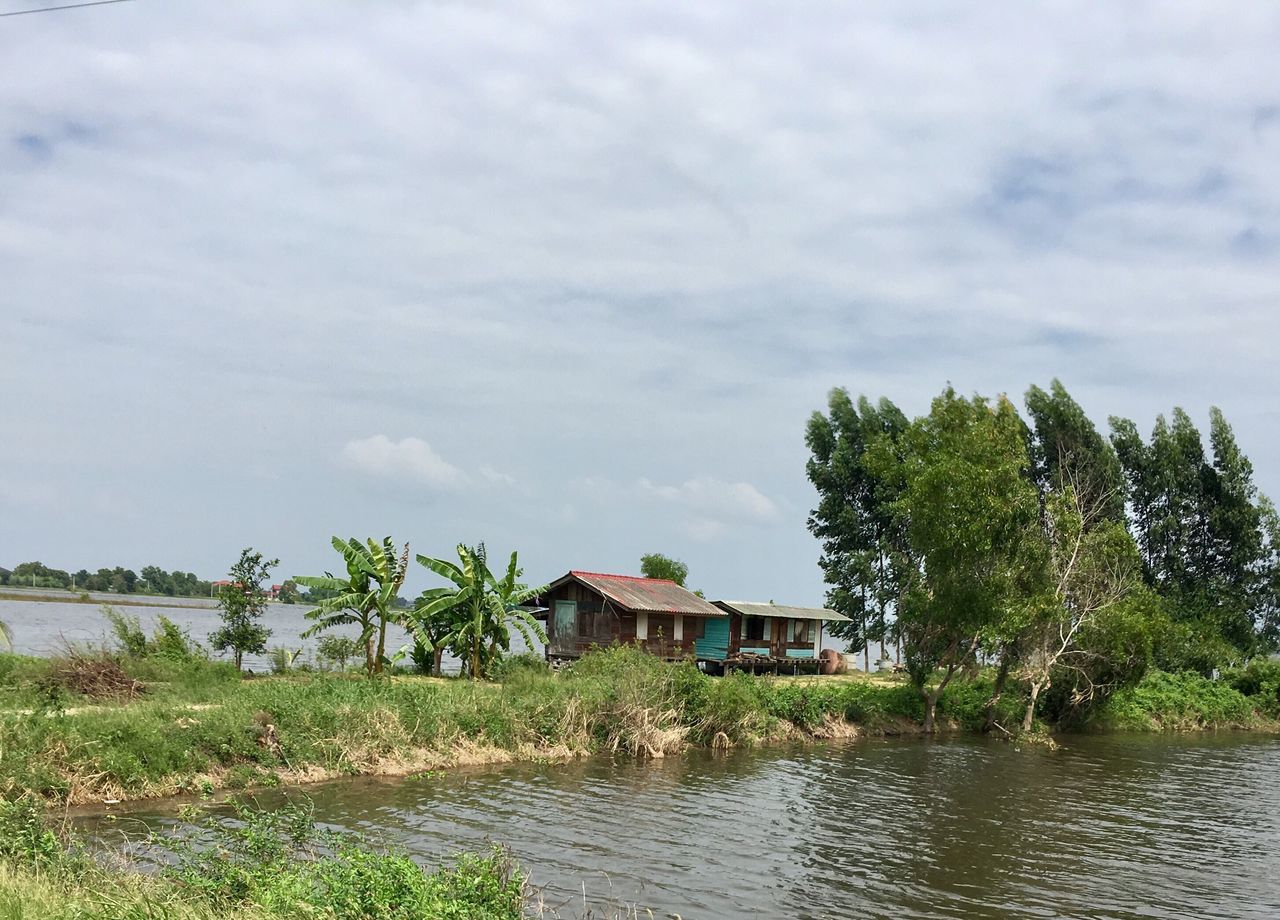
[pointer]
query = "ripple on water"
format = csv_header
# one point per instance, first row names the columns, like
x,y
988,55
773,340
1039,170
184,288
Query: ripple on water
x,y
1105,828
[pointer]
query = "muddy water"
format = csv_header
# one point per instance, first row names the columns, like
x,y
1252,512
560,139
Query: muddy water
x,y
1104,828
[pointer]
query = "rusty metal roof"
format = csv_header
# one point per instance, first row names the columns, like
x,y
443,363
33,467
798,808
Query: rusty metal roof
x,y
755,609
647,595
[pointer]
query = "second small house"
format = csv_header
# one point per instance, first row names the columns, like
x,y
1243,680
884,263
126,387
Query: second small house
x,y
774,633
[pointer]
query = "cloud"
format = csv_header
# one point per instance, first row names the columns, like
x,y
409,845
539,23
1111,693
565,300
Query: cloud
x,y
410,459
714,504
496,476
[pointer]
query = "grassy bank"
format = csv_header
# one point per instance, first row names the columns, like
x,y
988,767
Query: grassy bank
x,y
260,865
198,727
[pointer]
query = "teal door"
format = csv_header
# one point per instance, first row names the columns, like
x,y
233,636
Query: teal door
x,y
564,632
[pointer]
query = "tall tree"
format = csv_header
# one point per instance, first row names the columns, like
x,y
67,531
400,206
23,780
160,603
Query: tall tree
x,y
865,553
656,565
1068,450
242,604
1200,524
480,607
969,508
365,598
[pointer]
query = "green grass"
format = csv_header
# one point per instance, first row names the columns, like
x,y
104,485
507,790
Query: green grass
x,y
199,726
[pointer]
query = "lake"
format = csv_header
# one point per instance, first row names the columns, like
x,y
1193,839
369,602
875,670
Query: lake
x,y
1106,827
44,627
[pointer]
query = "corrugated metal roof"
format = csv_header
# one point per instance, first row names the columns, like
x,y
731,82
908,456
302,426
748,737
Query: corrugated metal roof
x,y
755,609
650,595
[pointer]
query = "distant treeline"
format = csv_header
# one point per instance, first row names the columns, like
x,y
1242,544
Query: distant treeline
x,y
152,580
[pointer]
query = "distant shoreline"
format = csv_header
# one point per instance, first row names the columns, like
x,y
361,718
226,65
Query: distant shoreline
x,y
39,595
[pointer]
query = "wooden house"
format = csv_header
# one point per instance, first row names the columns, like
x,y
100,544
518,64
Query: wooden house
x,y
775,631
591,609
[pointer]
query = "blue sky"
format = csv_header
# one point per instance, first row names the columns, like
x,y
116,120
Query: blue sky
x,y
569,278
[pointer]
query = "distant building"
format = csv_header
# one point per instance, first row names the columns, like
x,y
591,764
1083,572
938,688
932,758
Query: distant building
x,y
776,631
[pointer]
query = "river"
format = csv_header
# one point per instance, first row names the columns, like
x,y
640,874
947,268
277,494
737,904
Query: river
x,y
1105,827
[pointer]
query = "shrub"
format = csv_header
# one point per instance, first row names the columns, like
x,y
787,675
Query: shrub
x,y
510,666
1259,679
130,639
281,861
337,649
25,839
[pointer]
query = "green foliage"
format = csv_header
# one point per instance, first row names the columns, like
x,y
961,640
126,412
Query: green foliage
x,y
855,466
971,516
365,598
1187,701
656,565
473,618
510,667
337,649
25,838
256,863
282,659
242,604
1259,680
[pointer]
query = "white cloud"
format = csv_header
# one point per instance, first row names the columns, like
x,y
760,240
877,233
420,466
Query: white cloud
x,y
716,500
496,476
407,459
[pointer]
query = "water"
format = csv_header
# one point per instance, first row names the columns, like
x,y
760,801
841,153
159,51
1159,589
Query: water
x,y
1115,827
45,627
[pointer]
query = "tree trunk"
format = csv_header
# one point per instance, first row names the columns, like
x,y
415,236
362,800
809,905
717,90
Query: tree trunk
x,y
1006,659
475,658
436,665
368,655
930,709
1030,714
239,658
382,645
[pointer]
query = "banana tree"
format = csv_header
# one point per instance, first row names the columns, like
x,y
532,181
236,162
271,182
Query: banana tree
x,y
475,615
365,598
6,639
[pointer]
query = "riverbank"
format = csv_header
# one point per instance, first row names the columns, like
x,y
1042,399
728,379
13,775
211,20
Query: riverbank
x,y
198,727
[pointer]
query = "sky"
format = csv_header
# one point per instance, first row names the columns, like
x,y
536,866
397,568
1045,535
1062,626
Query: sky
x,y
569,278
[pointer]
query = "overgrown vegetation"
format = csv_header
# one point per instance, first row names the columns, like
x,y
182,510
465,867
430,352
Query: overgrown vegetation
x,y
250,863
199,726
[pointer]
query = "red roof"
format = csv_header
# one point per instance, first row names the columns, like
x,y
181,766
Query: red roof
x,y
647,595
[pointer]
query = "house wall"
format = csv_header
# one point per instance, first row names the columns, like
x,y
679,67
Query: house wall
x,y
779,638
599,622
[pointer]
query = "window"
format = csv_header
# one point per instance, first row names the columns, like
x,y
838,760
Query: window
x,y
586,624
753,628
695,627
802,631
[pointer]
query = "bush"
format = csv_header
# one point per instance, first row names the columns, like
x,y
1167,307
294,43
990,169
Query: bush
x,y
281,861
337,650
1162,701
25,839
1260,680
510,666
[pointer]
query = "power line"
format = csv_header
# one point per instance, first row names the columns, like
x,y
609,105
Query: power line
x,y
69,6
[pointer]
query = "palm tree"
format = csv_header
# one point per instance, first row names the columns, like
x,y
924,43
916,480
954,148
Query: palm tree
x,y
479,609
364,598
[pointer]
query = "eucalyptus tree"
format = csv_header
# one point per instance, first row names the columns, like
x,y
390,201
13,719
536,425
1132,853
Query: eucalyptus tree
x,y
1201,525
474,615
970,512
866,558
365,598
